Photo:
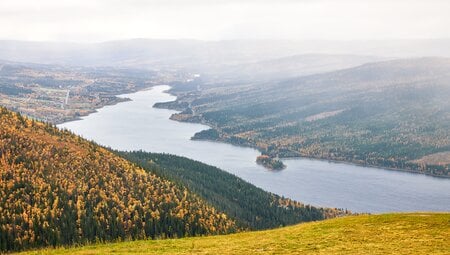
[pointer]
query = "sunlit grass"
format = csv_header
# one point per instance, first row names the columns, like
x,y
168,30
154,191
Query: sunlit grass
x,y
414,233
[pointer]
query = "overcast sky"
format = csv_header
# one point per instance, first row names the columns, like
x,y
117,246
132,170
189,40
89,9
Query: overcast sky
x,y
101,20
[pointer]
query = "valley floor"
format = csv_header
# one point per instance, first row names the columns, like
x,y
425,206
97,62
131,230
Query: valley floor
x,y
412,233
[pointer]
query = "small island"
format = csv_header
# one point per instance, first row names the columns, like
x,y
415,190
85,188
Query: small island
x,y
270,163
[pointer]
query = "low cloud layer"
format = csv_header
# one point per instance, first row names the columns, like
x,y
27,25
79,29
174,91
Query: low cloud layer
x,y
86,20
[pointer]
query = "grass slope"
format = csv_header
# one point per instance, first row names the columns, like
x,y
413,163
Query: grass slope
x,y
412,233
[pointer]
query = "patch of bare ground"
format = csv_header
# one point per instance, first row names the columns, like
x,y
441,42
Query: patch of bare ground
x,y
323,115
441,158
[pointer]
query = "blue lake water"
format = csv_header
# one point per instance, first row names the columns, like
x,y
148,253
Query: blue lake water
x,y
136,125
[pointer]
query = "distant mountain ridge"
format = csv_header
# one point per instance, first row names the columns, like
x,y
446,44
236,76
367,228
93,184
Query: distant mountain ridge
x,y
288,67
197,55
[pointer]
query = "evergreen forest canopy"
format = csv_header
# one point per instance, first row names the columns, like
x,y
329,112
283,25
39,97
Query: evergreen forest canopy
x,y
252,207
393,114
59,189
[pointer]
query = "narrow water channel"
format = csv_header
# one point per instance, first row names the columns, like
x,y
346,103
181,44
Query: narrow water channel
x,y
136,125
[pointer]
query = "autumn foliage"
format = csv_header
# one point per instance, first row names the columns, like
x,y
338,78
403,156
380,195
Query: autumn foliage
x,y
59,189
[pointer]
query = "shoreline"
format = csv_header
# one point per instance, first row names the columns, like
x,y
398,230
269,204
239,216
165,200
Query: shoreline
x,y
284,182
80,117
333,160
168,91
95,110
293,157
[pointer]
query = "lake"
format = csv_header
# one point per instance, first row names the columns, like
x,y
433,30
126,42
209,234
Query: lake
x,y
136,125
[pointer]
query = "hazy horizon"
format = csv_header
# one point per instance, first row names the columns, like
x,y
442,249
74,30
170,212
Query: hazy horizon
x,y
225,40
85,21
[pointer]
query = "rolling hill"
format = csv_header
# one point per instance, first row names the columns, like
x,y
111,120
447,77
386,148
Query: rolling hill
x,y
57,188
413,233
204,56
251,207
392,114
286,67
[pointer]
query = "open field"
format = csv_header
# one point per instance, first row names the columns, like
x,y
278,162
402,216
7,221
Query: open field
x,y
440,158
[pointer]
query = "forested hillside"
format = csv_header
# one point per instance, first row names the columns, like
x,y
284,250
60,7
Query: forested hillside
x,y
59,189
393,114
252,207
